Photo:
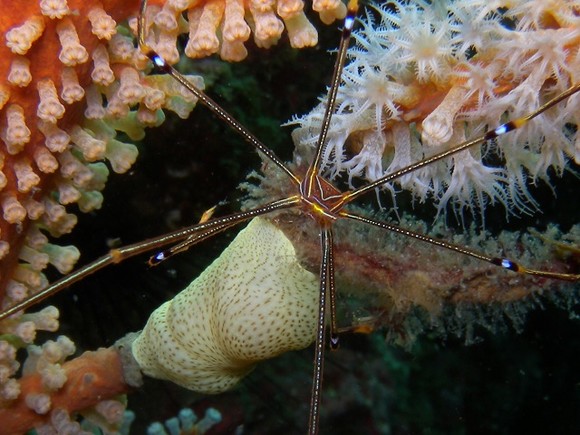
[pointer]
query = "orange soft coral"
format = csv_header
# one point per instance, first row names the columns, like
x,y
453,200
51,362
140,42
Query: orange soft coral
x,y
91,377
225,25
60,61
53,59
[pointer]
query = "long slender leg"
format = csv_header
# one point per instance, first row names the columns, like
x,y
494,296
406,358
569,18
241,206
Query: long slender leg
x,y
335,82
331,291
326,288
196,233
505,263
205,99
314,169
183,246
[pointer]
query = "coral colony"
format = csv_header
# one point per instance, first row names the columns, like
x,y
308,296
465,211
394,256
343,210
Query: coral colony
x,y
424,76
73,80
75,93
60,62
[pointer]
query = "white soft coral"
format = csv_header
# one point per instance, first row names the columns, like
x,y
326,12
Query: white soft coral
x,y
426,45
548,53
415,37
537,14
424,72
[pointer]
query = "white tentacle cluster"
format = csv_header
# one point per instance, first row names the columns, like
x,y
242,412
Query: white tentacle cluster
x,y
253,303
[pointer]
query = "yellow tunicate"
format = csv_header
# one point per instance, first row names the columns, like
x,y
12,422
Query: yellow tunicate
x,y
253,303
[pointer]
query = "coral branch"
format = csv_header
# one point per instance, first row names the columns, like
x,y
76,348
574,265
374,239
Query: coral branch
x,y
91,378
